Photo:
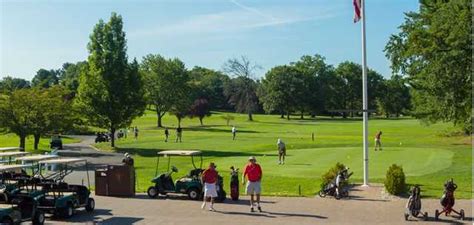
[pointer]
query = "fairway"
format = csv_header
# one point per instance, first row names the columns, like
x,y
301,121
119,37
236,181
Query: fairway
x,y
428,157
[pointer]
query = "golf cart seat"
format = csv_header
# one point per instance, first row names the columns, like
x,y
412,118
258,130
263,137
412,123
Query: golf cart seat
x,y
195,173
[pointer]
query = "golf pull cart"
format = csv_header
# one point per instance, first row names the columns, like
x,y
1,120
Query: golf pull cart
x,y
61,198
189,184
448,200
18,206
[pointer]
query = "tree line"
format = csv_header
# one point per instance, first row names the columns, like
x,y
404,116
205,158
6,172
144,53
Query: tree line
x,y
109,91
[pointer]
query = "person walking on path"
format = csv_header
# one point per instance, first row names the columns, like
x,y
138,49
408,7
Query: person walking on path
x,y
281,151
167,134
234,132
378,144
209,180
179,134
253,175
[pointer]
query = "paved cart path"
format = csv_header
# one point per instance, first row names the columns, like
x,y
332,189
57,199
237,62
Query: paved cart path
x,y
366,206
94,158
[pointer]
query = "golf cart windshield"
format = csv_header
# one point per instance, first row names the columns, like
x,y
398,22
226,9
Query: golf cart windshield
x,y
7,157
5,149
170,153
65,165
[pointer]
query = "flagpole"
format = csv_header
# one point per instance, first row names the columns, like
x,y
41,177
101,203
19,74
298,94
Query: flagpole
x,y
365,112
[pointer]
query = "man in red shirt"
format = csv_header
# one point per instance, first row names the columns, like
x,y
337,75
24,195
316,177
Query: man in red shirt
x,y
209,180
253,173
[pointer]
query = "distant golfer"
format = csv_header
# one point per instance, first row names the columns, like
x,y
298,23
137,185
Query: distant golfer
x,y
378,144
167,134
281,151
253,172
234,132
135,131
209,180
179,134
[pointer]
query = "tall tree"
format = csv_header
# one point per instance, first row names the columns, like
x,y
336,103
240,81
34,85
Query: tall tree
x,y
166,84
45,78
394,97
242,90
69,76
16,110
111,92
283,89
209,84
9,84
434,50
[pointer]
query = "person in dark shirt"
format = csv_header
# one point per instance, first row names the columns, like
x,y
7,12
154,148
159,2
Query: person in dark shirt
x,y
167,134
179,134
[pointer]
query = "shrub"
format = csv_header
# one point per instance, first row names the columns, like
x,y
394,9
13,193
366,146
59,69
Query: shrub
x,y
331,174
395,180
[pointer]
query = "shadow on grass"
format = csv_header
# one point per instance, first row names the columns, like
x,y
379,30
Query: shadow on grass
x,y
146,152
211,129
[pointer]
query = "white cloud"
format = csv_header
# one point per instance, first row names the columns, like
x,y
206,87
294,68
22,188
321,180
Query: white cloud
x,y
243,18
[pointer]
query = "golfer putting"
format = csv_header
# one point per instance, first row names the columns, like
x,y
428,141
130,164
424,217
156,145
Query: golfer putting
x,y
253,175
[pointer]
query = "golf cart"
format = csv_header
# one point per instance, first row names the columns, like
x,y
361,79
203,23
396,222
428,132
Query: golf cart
x,y
56,142
16,204
9,157
6,149
189,184
61,198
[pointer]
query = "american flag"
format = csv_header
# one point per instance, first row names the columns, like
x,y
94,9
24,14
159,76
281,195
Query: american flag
x,y
357,9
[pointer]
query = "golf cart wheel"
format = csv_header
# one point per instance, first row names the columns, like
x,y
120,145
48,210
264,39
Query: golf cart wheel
x,y
39,218
337,196
416,213
406,216
461,213
68,211
322,194
90,205
425,216
6,220
436,215
152,192
194,194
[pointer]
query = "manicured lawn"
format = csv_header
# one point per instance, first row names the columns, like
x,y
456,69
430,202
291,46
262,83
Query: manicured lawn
x,y
11,140
428,157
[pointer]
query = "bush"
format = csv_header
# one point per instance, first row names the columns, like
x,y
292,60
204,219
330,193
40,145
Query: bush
x,y
331,174
395,180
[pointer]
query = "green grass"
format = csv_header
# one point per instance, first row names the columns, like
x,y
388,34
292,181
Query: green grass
x,y
11,140
428,157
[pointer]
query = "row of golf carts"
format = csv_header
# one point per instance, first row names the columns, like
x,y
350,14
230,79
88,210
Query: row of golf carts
x,y
28,189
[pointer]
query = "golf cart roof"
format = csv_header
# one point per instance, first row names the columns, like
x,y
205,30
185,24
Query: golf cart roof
x,y
9,154
180,152
62,161
4,168
36,157
5,149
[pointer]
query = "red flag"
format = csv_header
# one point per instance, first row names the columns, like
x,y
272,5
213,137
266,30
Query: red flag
x,y
357,10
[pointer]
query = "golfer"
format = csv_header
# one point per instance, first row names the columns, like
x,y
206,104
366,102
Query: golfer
x,y
209,179
253,173
234,132
378,144
281,151
167,134
179,134
135,131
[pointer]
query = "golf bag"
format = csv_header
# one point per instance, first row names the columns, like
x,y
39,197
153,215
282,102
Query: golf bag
x,y
337,187
448,200
221,195
234,183
414,204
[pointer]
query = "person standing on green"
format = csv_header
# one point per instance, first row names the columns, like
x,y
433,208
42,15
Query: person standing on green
x,y
378,144
281,151
167,134
179,134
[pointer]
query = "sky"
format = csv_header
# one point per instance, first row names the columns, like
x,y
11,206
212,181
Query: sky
x,y
45,34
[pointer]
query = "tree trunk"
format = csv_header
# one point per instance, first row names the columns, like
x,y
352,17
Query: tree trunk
x,y
302,115
36,141
112,137
22,142
288,116
282,115
158,114
200,120
250,116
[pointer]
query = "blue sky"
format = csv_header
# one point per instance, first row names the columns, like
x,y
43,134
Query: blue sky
x,y
45,34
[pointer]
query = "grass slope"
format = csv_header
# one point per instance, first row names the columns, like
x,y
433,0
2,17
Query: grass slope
x,y
428,158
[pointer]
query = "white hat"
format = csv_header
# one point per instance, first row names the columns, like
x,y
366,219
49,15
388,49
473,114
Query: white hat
x,y
252,158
